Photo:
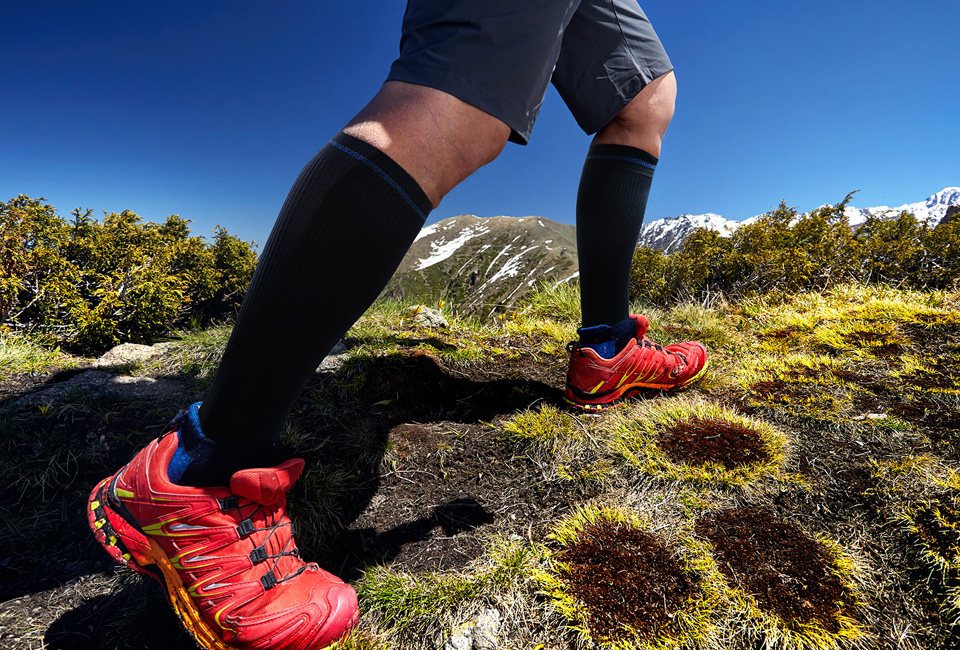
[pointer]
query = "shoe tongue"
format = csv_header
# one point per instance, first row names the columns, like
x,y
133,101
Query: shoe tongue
x,y
266,485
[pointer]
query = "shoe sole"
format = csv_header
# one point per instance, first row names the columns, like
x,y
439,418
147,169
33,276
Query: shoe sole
x,y
134,550
632,390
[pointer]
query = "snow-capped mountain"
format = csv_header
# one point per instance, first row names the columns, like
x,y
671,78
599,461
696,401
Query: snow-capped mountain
x,y
482,264
931,211
667,234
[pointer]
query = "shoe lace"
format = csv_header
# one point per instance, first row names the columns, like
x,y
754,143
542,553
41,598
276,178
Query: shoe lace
x,y
259,554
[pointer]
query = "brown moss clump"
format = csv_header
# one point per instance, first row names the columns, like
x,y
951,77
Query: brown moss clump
x,y
788,573
698,441
629,582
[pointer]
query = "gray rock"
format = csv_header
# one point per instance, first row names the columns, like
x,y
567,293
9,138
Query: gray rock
x,y
485,631
98,383
462,640
426,316
127,354
334,359
480,634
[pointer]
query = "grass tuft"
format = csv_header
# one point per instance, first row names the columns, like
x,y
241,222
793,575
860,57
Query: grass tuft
x,y
18,354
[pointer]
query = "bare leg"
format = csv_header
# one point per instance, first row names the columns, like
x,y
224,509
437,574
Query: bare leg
x,y
435,137
644,121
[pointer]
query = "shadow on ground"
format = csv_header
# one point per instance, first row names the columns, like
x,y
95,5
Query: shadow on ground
x,y
402,468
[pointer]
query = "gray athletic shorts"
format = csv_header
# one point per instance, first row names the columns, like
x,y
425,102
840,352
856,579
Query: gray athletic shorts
x,y
499,55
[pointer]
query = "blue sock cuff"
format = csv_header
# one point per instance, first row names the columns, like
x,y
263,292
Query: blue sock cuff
x,y
599,339
608,340
624,331
192,445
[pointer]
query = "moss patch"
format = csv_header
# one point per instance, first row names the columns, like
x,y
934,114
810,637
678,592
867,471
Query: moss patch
x,y
703,440
788,573
628,580
697,442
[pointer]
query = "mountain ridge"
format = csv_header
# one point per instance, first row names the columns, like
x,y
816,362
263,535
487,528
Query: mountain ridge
x,y
484,264
667,234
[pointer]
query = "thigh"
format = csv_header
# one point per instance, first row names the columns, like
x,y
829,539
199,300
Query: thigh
x,y
498,55
609,52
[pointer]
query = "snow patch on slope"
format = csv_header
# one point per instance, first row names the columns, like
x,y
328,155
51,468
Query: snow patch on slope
x,y
442,249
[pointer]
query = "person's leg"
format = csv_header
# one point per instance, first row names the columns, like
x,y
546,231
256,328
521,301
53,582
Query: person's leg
x,y
612,198
616,78
201,508
614,359
340,235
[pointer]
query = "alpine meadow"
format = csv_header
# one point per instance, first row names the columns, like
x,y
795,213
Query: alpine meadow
x,y
803,495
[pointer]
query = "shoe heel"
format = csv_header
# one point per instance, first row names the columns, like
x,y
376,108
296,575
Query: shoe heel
x,y
122,542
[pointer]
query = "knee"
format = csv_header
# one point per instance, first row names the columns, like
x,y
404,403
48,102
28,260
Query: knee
x,y
437,138
476,146
645,119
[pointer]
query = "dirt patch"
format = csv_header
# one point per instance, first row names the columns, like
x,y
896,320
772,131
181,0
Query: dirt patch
x,y
782,333
23,383
932,331
445,489
628,580
789,574
775,391
405,469
698,441
418,386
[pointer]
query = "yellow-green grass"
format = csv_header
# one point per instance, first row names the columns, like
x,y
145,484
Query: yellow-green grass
x,y
637,436
814,354
563,444
196,353
418,610
19,354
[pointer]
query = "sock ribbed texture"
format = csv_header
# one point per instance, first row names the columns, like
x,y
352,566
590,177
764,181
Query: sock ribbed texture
x,y
343,230
611,201
202,462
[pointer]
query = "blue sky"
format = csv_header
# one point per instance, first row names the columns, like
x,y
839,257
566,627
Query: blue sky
x,y
209,109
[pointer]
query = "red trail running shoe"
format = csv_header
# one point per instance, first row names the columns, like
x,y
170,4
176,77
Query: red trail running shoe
x,y
595,383
225,556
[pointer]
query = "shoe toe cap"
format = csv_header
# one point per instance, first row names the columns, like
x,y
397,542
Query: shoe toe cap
x,y
344,614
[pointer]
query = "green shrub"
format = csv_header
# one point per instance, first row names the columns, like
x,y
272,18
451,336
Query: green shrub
x,y
88,285
784,251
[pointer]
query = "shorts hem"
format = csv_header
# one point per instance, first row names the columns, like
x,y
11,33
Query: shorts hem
x,y
595,125
520,123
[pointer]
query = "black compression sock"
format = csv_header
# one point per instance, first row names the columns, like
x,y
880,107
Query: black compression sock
x,y
611,201
342,232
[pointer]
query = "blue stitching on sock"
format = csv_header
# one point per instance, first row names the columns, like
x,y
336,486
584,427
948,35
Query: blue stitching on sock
x,y
384,175
638,161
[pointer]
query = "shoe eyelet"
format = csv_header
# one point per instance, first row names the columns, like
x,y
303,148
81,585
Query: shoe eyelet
x,y
269,581
258,555
245,528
